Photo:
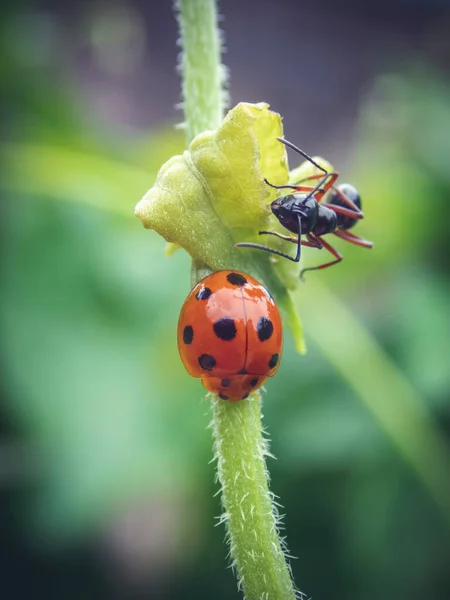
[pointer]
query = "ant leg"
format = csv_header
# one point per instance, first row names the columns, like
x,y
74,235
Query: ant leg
x,y
303,188
358,214
329,184
353,239
311,243
331,250
316,176
347,201
341,194
314,242
280,187
277,252
299,239
266,248
287,238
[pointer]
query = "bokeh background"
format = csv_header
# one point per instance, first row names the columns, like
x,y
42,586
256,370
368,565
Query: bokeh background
x,y
106,489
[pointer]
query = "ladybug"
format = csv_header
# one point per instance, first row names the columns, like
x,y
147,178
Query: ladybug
x,y
230,334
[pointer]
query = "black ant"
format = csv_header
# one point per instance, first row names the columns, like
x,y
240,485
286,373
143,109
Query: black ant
x,y
302,214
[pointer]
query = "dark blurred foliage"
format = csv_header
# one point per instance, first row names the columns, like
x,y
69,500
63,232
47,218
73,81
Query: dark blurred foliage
x,y
106,486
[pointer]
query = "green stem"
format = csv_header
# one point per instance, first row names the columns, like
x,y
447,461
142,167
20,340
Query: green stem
x,y
203,75
249,510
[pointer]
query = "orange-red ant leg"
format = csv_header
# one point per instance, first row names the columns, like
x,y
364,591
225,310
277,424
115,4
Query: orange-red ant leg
x,y
341,195
333,176
314,242
331,250
353,239
328,185
347,201
315,176
318,191
358,214
318,187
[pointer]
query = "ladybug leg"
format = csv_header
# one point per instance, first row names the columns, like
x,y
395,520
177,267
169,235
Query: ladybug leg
x,y
338,257
353,239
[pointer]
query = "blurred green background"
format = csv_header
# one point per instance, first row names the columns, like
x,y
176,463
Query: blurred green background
x,y
106,490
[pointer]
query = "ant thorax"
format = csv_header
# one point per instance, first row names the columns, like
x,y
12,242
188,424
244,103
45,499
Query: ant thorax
x,y
327,220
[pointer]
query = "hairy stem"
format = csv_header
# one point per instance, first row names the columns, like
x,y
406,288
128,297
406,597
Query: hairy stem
x,y
240,449
249,510
203,75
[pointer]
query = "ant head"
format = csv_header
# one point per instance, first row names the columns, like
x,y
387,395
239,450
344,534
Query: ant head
x,y
288,208
282,208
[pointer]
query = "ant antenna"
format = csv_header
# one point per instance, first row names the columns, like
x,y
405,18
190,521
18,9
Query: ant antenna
x,y
313,162
296,149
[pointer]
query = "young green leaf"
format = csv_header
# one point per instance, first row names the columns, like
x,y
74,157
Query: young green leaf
x,y
214,196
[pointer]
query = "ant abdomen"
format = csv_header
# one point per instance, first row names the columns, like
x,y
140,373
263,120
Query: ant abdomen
x,y
343,221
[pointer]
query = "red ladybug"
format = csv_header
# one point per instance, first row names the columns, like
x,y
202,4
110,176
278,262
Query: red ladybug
x,y
230,334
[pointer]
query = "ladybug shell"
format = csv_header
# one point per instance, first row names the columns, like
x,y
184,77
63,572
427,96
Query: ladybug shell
x,y
230,334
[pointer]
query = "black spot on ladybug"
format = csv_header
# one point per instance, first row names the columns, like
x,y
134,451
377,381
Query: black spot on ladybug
x,y
242,372
188,334
207,362
223,397
236,279
253,382
264,329
244,396
203,294
225,329
225,382
273,360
